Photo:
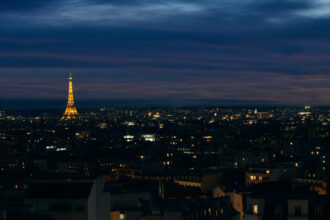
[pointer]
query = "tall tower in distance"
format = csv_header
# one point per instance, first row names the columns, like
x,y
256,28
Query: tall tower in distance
x,y
70,111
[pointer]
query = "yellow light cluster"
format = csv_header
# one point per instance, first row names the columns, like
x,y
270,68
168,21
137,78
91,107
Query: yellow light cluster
x,y
70,111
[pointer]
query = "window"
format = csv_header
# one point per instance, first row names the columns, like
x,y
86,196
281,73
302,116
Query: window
x,y
80,208
122,216
318,211
278,212
297,211
255,209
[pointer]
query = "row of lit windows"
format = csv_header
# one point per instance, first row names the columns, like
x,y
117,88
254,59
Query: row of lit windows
x,y
253,178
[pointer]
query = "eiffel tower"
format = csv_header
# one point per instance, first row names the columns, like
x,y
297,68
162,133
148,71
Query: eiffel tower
x,y
70,111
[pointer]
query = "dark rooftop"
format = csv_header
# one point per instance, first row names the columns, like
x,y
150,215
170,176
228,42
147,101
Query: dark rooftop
x,y
60,189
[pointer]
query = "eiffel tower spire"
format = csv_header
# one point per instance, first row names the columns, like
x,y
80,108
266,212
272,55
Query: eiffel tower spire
x,y
70,111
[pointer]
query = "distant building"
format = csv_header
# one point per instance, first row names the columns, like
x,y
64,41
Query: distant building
x,y
261,175
263,115
277,206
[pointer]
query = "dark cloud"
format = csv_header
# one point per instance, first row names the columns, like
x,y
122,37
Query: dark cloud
x,y
24,5
250,50
282,6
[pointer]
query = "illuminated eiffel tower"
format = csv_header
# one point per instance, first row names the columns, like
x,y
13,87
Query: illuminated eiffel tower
x,y
70,111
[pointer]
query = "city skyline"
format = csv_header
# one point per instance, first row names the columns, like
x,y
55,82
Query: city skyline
x,y
175,109
247,52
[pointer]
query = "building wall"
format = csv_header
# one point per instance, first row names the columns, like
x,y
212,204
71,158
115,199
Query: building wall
x,y
92,204
237,203
218,192
252,217
236,199
46,206
129,199
168,215
133,215
254,208
292,206
256,178
99,202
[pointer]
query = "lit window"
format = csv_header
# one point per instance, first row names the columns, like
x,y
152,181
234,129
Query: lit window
x,y
122,216
255,209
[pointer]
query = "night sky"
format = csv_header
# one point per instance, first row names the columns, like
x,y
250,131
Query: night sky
x,y
252,50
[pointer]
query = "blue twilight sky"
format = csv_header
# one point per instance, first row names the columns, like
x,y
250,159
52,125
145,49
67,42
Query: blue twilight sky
x,y
274,51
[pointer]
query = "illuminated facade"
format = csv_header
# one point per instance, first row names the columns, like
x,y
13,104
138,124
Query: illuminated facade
x,y
70,111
